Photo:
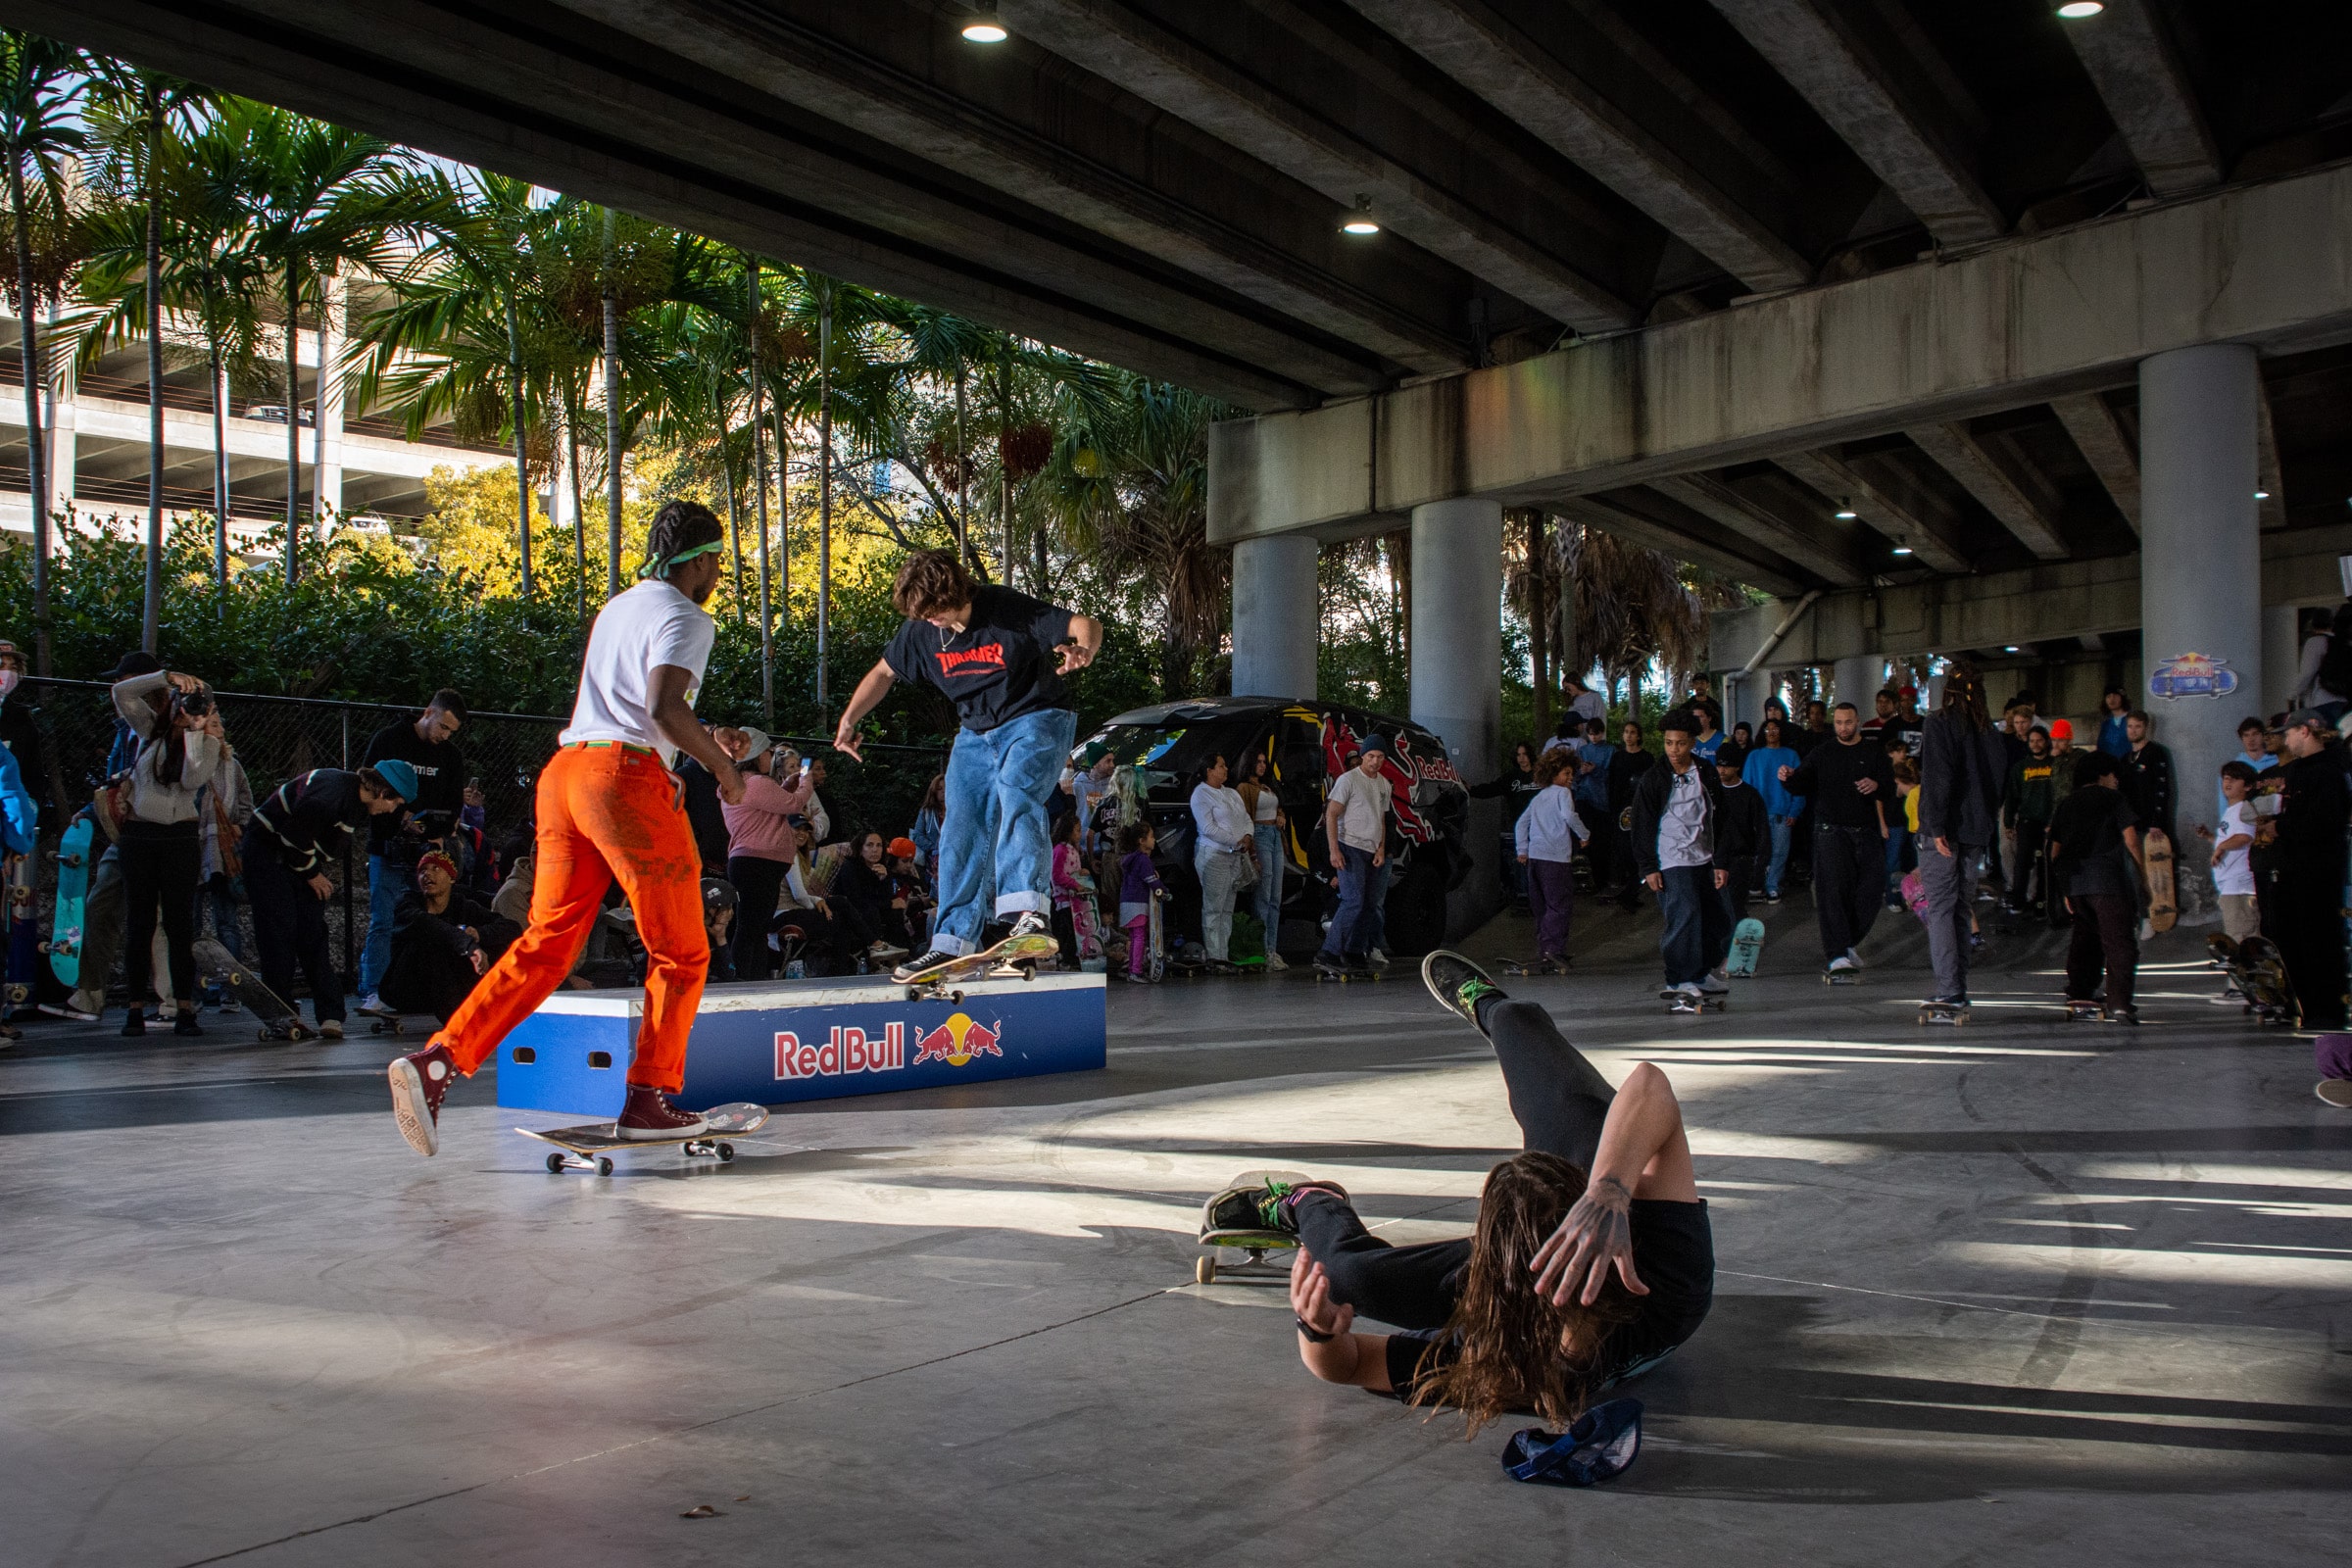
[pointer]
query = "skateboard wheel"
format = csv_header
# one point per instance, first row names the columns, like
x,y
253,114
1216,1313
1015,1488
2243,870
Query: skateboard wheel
x,y
726,1153
604,1165
1204,1270
261,1034
554,1164
914,993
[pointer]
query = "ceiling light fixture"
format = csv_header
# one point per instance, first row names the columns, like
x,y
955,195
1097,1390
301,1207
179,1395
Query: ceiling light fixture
x,y
1846,511
984,28
2011,649
2077,9
1360,221
1902,550
2262,495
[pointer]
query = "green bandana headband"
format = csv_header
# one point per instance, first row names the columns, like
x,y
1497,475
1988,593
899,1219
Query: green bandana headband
x,y
663,569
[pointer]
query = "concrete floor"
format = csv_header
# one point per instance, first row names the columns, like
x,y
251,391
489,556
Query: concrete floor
x,y
2025,1293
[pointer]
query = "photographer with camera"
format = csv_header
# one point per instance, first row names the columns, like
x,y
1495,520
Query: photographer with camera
x,y
396,842
161,847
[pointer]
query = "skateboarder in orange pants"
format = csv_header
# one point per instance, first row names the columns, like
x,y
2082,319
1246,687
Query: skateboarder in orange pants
x,y
609,807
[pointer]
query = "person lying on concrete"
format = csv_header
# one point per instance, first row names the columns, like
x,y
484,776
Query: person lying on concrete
x,y
442,941
1590,1263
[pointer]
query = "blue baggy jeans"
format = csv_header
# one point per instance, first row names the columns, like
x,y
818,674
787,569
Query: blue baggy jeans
x,y
1699,922
385,885
1363,888
995,833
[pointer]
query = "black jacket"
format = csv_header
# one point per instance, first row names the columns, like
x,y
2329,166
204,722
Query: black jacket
x,y
309,820
2148,777
1962,775
2315,803
704,814
1627,770
1827,779
1649,807
415,927
22,735
1741,830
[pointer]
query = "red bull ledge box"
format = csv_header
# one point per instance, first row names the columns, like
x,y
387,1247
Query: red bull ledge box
x,y
777,1041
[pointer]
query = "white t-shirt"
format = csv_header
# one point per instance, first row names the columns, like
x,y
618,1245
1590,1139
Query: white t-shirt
x,y
651,625
1364,807
2235,872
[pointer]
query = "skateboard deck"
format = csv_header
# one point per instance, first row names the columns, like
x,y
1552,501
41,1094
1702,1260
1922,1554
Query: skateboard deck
x,y
75,858
2261,975
1747,947
23,934
1546,964
2156,858
1702,1002
279,1018
1254,1240
1014,955
591,1146
1942,1012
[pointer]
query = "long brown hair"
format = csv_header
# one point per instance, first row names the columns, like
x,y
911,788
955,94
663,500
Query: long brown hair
x,y
1518,1350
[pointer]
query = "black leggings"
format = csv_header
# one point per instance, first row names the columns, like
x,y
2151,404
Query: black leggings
x,y
161,862
757,882
1560,1100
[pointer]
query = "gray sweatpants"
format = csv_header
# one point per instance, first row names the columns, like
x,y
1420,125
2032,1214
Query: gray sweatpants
x,y
105,923
1950,882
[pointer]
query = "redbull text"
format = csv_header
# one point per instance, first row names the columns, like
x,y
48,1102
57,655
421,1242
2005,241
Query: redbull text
x,y
845,1051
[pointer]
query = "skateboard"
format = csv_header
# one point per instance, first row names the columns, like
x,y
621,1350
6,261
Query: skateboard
x,y
592,1145
1944,1013
1252,1240
1548,965
1014,955
278,1020
2261,975
2083,1011
2156,857
1704,1002
1840,977
2336,1092
75,856
1747,947
23,934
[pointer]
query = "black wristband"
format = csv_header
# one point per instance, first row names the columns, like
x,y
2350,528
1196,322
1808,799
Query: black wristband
x,y
1313,1335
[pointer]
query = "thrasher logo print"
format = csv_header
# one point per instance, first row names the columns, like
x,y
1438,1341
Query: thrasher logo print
x,y
955,661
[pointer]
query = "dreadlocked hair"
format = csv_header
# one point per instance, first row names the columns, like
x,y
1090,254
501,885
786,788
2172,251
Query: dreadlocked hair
x,y
1517,1349
1964,694
679,525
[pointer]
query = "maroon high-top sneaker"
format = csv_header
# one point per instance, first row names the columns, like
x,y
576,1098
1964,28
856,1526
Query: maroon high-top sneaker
x,y
648,1115
420,1080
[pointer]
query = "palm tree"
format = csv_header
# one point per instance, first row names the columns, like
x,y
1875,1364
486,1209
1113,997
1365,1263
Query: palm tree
x,y
40,80
333,201
464,334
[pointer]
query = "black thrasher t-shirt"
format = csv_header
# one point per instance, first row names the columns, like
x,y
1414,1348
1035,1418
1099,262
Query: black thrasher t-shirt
x,y
995,670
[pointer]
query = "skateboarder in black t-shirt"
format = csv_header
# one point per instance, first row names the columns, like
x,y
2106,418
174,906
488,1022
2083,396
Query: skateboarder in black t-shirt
x,y
999,656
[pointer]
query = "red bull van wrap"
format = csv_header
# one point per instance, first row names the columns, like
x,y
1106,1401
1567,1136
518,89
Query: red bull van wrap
x,y
778,1042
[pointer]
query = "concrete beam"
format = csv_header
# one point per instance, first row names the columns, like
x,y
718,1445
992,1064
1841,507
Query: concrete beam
x,y
2111,454
1902,517
802,65
1800,538
2031,320
1630,519
1129,49
504,98
2037,604
1857,84
2140,76
1483,50
1985,474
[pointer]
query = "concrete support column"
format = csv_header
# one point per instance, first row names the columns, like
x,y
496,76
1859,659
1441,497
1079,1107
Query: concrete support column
x,y
1276,616
2281,658
2201,585
63,452
1457,668
1859,681
328,476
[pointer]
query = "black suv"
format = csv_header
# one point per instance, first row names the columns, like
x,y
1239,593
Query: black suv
x,y
1310,744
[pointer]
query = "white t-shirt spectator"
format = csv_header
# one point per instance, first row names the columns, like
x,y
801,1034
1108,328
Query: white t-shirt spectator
x,y
2235,871
1223,822
1364,803
650,625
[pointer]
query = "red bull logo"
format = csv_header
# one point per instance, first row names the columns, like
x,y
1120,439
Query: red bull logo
x,y
956,1041
845,1051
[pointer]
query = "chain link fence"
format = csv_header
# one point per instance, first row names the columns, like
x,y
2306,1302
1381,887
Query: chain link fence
x,y
277,738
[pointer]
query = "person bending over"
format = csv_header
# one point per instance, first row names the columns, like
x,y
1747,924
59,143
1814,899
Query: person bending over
x,y
1590,1263
442,939
303,828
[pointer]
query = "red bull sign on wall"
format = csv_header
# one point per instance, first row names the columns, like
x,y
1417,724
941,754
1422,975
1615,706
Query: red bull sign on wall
x,y
797,1040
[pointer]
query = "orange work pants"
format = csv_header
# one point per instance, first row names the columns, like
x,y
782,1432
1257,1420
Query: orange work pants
x,y
605,812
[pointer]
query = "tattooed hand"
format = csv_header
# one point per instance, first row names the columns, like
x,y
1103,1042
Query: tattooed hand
x,y
1595,1237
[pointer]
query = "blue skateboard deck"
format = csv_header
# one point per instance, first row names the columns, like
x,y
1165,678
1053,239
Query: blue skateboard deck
x,y
74,859
1747,947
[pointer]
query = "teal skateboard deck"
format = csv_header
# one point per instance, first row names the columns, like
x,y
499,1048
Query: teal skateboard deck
x,y
1747,947
74,859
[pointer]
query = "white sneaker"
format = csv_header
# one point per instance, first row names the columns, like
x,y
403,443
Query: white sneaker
x,y
1843,963
1853,959
1379,959
1274,961
1689,988
1717,982
374,1007
1032,923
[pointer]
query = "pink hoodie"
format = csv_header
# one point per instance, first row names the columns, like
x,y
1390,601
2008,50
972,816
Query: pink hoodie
x,y
757,829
